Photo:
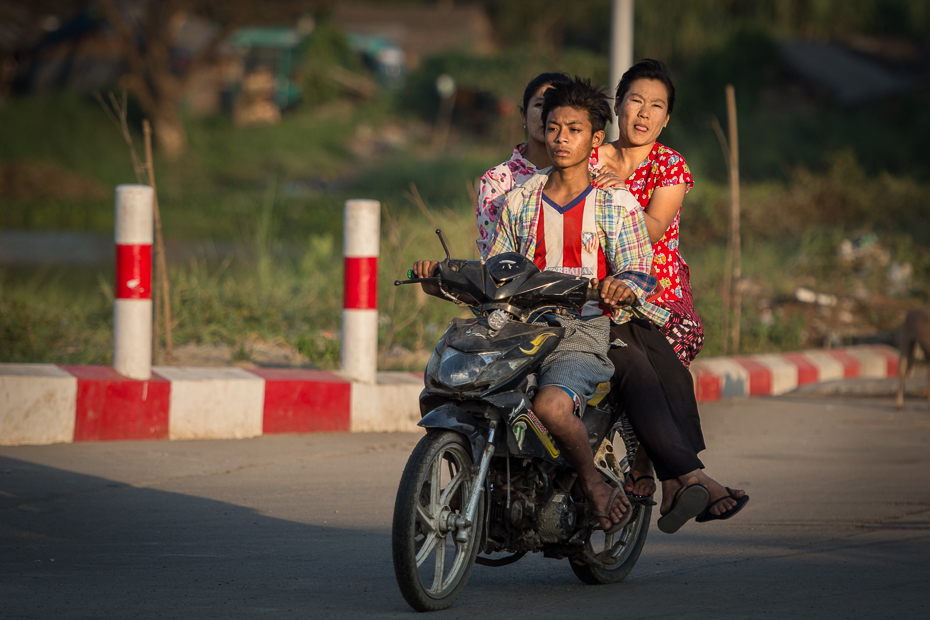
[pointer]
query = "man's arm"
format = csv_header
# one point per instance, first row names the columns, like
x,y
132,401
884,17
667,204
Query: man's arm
x,y
631,252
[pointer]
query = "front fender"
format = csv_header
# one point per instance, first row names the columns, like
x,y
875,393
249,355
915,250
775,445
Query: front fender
x,y
454,418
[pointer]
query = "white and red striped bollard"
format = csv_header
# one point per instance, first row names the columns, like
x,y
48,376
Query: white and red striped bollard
x,y
361,241
132,308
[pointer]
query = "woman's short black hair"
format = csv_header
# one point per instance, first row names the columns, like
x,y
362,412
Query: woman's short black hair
x,y
581,95
647,69
543,79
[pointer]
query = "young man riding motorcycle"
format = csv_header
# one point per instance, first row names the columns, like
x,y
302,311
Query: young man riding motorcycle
x,y
563,223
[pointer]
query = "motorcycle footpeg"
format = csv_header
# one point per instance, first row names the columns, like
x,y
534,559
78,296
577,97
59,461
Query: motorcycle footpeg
x,y
641,501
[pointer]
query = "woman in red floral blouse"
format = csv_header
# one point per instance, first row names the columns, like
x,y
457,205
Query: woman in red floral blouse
x,y
659,178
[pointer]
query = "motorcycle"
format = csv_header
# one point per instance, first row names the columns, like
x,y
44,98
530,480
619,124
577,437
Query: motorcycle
x,y
487,478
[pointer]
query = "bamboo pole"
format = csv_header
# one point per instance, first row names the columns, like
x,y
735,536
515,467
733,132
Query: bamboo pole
x,y
163,300
736,296
728,259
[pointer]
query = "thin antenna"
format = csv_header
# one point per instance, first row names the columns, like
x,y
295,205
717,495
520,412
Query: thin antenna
x,y
443,242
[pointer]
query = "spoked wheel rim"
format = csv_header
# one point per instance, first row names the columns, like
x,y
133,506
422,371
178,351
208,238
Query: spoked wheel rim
x,y
434,549
611,557
439,515
598,542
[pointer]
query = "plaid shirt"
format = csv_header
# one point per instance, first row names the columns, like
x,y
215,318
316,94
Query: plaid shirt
x,y
621,231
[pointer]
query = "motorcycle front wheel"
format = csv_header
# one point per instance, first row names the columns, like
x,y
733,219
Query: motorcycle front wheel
x,y
431,566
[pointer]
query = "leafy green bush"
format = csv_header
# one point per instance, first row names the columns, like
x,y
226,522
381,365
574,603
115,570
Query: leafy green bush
x,y
502,76
325,49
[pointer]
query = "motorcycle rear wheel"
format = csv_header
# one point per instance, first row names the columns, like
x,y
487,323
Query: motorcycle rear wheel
x,y
633,537
431,567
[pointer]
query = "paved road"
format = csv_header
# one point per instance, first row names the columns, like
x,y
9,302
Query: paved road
x,y
298,527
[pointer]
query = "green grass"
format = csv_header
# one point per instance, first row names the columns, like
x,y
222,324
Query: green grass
x,y
813,175
292,291
62,317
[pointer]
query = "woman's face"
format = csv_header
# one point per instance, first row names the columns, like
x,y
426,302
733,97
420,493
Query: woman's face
x,y
532,115
643,112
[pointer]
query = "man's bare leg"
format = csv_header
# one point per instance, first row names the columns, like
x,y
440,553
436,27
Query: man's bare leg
x,y
555,408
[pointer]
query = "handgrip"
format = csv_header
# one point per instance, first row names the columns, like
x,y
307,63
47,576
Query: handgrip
x,y
594,294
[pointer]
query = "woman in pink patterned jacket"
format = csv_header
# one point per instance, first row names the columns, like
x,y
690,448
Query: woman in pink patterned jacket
x,y
527,159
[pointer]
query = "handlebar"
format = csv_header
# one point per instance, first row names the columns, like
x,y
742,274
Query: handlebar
x,y
593,294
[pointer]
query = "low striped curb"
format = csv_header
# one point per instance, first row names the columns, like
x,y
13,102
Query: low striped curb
x,y
778,373
47,403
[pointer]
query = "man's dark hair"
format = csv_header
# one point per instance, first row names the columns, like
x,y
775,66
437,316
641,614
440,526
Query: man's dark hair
x,y
581,95
543,79
648,69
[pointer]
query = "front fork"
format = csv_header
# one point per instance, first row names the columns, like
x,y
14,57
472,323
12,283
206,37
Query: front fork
x,y
463,524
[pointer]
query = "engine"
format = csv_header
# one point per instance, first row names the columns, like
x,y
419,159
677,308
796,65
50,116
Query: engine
x,y
525,518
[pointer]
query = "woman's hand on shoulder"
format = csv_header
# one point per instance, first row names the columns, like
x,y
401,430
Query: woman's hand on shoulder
x,y
606,179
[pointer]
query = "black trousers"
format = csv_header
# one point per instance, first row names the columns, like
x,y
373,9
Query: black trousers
x,y
657,394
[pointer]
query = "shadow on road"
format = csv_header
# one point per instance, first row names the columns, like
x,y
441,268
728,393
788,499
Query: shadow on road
x,y
838,527
73,545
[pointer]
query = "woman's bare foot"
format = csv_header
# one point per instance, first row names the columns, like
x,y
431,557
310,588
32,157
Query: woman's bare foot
x,y
641,481
670,488
727,500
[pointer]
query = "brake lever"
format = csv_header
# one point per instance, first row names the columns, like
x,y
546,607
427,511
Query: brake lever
x,y
416,280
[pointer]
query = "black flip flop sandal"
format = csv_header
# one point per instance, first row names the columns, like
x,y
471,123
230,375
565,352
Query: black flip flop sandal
x,y
637,479
616,527
706,515
689,502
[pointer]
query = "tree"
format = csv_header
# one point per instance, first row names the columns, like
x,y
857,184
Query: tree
x,y
146,30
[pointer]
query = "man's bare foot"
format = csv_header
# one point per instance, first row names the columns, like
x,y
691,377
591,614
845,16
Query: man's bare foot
x,y
599,494
641,481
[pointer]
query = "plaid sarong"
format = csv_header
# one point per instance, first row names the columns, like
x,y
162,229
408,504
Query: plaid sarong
x,y
580,361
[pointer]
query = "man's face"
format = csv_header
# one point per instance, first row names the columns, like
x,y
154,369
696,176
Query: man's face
x,y
570,137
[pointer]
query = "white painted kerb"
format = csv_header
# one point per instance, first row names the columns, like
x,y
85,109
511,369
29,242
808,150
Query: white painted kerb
x,y
391,404
37,404
784,373
214,403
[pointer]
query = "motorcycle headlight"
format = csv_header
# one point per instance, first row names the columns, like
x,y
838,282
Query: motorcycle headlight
x,y
502,369
457,368
432,367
